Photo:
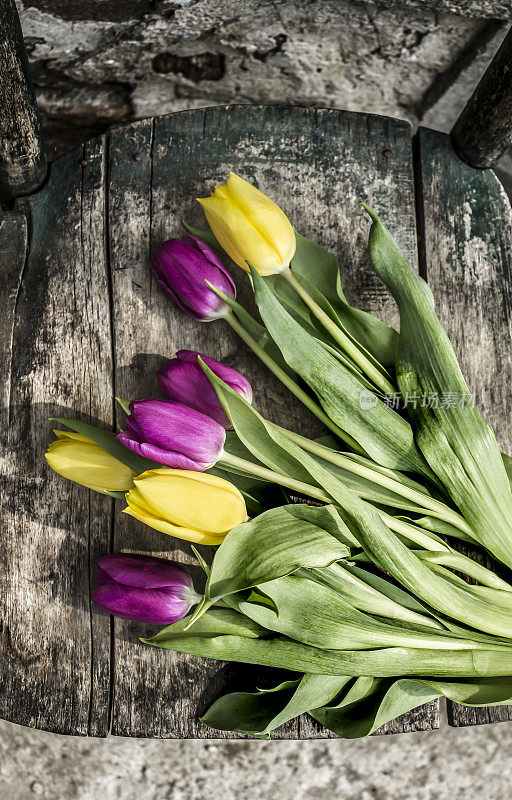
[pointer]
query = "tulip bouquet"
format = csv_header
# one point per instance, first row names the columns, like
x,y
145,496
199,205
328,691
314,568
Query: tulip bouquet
x,y
362,594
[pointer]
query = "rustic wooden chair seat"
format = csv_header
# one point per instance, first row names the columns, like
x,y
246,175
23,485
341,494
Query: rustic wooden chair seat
x,y
83,320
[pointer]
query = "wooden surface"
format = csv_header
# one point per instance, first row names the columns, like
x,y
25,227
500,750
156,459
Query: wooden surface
x,y
85,321
55,335
22,159
483,132
465,222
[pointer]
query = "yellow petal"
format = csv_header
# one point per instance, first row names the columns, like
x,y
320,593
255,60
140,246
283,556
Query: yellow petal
x,y
231,228
249,226
266,216
79,459
162,525
188,499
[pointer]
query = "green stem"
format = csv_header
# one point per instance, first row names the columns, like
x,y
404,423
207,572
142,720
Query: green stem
x,y
411,532
275,477
434,507
437,551
346,344
405,529
291,385
466,565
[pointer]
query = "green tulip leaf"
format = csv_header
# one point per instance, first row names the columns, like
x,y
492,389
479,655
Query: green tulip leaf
x,y
454,438
355,708
217,622
317,615
385,549
211,637
369,704
274,544
380,431
124,404
258,713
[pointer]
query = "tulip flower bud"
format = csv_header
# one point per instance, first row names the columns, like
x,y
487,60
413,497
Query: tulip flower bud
x,y
144,588
182,379
182,267
81,460
250,227
173,434
189,505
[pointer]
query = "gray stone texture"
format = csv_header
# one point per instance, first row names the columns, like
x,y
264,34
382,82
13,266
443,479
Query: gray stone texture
x,y
447,764
95,64
497,9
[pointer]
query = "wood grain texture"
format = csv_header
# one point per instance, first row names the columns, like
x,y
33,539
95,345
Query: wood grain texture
x,y
466,226
317,165
483,132
54,668
82,300
22,159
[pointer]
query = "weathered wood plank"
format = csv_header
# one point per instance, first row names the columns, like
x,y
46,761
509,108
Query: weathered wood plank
x,y
55,333
466,224
317,165
22,158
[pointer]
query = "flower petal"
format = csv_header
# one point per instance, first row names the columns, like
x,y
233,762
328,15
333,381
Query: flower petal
x,y
143,571
179,531
193,500
158,606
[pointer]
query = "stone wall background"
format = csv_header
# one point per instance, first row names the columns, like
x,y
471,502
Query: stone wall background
x,y
101,62
447,764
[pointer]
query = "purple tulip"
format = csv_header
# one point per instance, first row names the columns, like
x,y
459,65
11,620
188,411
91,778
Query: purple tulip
x,y
182,379
182,267
173,434
144,588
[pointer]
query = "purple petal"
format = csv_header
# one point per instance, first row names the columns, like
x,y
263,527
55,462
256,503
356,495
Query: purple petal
x,y
141,571
177,428
187,383
209,253
165,457
227,374
101,576
159,606
182,267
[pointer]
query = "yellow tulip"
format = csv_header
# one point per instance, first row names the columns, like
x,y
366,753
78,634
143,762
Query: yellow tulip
x,y
189,505
250,227
79,459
